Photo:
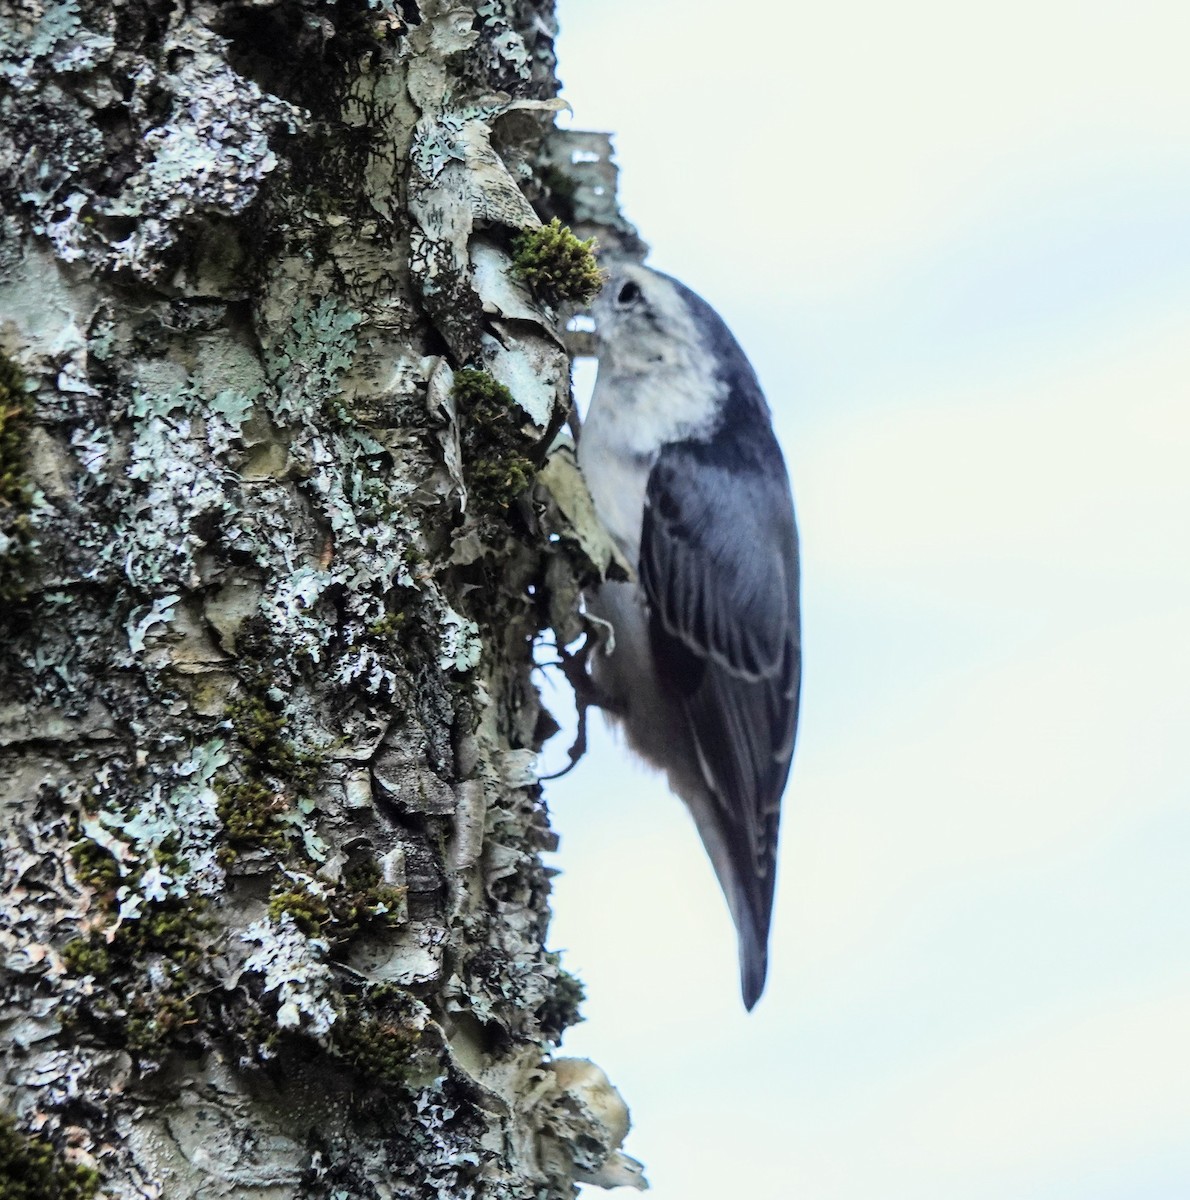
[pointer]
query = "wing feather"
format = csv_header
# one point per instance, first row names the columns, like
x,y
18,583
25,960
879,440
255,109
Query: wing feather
x,y
719,568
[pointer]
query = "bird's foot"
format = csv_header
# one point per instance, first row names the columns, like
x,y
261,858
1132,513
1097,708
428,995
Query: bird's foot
x,y
587,694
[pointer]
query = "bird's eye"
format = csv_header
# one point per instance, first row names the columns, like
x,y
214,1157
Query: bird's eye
x,y
628,295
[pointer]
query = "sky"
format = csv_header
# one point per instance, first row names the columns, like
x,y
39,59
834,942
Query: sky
x,y
954,240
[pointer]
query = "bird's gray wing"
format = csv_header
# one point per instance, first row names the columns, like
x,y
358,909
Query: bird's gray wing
x,y
719,567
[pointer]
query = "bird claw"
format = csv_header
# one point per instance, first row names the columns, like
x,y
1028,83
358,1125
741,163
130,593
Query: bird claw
x,y
587,694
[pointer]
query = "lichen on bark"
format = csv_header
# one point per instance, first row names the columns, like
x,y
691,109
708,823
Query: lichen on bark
x,y
274,916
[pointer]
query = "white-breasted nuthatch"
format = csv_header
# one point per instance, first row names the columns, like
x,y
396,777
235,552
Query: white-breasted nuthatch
x,y
705,667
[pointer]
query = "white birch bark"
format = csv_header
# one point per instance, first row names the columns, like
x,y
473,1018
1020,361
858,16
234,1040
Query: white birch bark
x,y
272,911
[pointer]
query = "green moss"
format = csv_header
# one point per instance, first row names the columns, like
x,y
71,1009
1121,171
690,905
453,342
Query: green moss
x,y
501,480
169,859
261,1038
154,1019
497,470
255,723
271,772
94,865
309,912
87,956
259,724
142,1008
360,900
380,1049
249,809
376,1035
171,928
476,391
388,625
556,265
364,899
31,1169
16,492
147,1010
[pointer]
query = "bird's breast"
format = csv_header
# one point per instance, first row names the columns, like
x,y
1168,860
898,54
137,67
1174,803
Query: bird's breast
x,y
617,480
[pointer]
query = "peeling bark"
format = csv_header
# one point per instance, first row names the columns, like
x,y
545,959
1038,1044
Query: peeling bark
x,y
272,911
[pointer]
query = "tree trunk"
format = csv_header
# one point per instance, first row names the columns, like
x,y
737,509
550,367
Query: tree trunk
x,y
279,368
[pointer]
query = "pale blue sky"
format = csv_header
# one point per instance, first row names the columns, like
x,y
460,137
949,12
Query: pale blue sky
x,y
955,241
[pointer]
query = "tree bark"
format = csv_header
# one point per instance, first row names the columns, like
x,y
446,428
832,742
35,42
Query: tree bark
x,y
274,551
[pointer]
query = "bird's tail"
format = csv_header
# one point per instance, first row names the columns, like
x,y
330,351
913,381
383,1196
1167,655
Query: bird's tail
x,y
754,950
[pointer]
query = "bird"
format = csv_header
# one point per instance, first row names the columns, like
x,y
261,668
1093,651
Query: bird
x,y
703,668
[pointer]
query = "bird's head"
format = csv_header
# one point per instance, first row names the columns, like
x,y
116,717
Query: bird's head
x,y
644,323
